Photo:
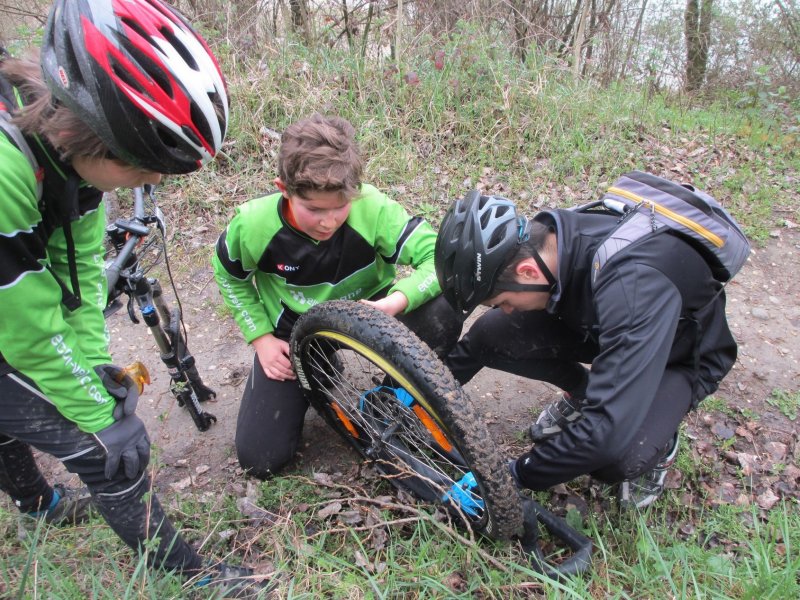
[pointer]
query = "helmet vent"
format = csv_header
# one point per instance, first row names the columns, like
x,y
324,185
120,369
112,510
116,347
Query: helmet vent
x,y
135,26
200,121
192,136
180,48
123,75
219,109
148,66
497,237
167,137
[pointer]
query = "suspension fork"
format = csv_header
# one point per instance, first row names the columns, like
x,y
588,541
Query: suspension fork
x,y
186,384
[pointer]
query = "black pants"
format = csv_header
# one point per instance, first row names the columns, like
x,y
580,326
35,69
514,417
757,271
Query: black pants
x,y
271,414
537,345
28,419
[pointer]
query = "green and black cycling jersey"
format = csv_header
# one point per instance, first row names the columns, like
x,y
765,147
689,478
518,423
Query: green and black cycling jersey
x,y
269,272
40,337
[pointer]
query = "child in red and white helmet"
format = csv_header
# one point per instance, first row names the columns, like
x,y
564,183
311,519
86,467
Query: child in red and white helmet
x,y
119,94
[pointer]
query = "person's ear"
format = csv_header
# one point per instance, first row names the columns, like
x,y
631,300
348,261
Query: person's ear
x,y
528,270
280,185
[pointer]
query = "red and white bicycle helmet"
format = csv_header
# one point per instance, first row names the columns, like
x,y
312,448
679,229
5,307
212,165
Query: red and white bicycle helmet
x,y
141,78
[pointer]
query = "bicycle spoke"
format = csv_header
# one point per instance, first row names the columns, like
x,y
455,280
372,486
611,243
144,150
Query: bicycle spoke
x,y
403,438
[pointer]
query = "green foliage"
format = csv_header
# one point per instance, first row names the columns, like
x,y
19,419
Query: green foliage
x,y
24,36
762,92
716,403
786,402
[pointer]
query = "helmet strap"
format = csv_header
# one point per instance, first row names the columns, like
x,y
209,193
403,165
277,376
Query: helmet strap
x,y
523,287
531,287
548,274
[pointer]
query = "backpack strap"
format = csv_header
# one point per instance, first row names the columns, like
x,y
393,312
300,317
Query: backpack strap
x,y
67,212
15,135
635,225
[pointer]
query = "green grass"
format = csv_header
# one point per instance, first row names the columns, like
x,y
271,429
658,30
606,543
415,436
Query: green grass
x,y
788,403
398,552
718,404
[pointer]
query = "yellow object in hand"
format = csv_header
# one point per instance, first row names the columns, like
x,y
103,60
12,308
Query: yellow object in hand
x,y
138,372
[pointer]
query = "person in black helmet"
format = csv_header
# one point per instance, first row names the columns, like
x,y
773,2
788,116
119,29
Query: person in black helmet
x,y
637,327
118,94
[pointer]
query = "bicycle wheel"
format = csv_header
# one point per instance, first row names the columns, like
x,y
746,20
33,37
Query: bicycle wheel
x,y
387,394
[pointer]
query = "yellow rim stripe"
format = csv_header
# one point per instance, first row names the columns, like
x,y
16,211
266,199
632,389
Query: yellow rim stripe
x,y
387,367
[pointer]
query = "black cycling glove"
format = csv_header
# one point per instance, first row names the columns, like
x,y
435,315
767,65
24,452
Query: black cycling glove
x,y
121,387
126,444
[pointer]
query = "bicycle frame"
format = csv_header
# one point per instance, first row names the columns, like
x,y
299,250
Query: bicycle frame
x,y
125,275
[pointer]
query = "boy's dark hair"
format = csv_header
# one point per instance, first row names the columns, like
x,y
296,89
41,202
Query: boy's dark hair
x,y
41,115
536,243
320,154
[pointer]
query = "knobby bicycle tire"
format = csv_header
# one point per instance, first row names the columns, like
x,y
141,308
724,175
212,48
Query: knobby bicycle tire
x,y
384,391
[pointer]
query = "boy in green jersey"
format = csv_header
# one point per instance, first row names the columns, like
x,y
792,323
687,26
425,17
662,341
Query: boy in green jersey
x,y
324,235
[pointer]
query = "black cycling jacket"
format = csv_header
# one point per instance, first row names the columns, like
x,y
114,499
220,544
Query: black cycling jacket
x,y
654,304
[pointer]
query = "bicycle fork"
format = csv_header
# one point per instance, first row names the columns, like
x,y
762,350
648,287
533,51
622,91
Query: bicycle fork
x,y
186,384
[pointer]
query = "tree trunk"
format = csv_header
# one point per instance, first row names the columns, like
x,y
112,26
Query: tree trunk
x,y
367,26
567,35
297,15
346,20
520,28
577,48
589,43
634,41
398,32
300,22
698,39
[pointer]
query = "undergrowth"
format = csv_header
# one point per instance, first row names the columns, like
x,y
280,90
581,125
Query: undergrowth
x,y
528,131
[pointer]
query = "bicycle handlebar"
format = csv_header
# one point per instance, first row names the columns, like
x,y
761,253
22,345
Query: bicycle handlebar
x,y
137,228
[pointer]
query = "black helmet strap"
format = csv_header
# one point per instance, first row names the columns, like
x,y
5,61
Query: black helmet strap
x,y
524,235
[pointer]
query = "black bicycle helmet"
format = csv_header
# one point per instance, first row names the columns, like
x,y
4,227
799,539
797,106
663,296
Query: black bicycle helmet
x,y
140,77
476,238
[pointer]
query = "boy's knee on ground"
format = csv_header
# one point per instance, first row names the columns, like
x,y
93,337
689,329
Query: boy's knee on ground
x,y
264,464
